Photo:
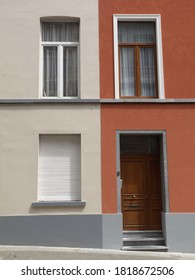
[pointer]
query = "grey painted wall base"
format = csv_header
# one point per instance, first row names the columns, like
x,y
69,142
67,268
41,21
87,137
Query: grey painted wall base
x,y
81,231
180,232
112,231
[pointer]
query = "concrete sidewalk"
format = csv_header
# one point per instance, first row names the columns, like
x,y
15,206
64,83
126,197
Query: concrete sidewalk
x,y
59,253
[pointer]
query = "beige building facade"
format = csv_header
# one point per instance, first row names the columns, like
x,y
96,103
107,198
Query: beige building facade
x,y
21,126
50,164
21,78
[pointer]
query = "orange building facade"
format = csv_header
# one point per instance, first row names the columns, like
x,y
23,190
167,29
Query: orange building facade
x,y
148,119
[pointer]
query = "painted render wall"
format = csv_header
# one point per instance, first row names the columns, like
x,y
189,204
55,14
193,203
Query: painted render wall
x,y
20,44
178,121
20,126
178,25
21,223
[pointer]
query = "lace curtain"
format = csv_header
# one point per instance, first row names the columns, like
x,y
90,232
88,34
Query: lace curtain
x,y
50,71
60,31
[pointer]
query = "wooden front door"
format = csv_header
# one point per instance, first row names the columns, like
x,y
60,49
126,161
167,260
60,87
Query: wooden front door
x,y
141,192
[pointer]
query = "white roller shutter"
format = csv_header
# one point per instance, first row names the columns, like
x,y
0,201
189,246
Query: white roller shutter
x,y
59,168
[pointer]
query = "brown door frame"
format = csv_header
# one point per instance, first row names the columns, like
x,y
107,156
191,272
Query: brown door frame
x,y
163,161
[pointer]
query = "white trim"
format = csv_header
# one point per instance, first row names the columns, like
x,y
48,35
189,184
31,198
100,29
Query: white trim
x,y
71,44
40,63
129,17
78,72
60,71
116,62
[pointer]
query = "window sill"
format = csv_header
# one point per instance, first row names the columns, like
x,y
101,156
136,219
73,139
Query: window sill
x,y
59,204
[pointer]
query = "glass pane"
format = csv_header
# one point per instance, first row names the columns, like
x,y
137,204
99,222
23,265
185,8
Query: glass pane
x,y
139,145
70,71
50,71
147,72
60,31
127,72
136,32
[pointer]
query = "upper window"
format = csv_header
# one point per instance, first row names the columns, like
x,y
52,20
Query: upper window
x,y
60,43
138,57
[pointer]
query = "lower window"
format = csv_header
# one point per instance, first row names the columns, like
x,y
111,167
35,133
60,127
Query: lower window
x,y
59,177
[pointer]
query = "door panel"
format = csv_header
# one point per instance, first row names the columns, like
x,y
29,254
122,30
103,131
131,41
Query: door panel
x,y
134,176
141,192
134,193
135,221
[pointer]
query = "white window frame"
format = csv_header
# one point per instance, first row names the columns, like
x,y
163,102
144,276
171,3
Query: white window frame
x,y
59,46
160,72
